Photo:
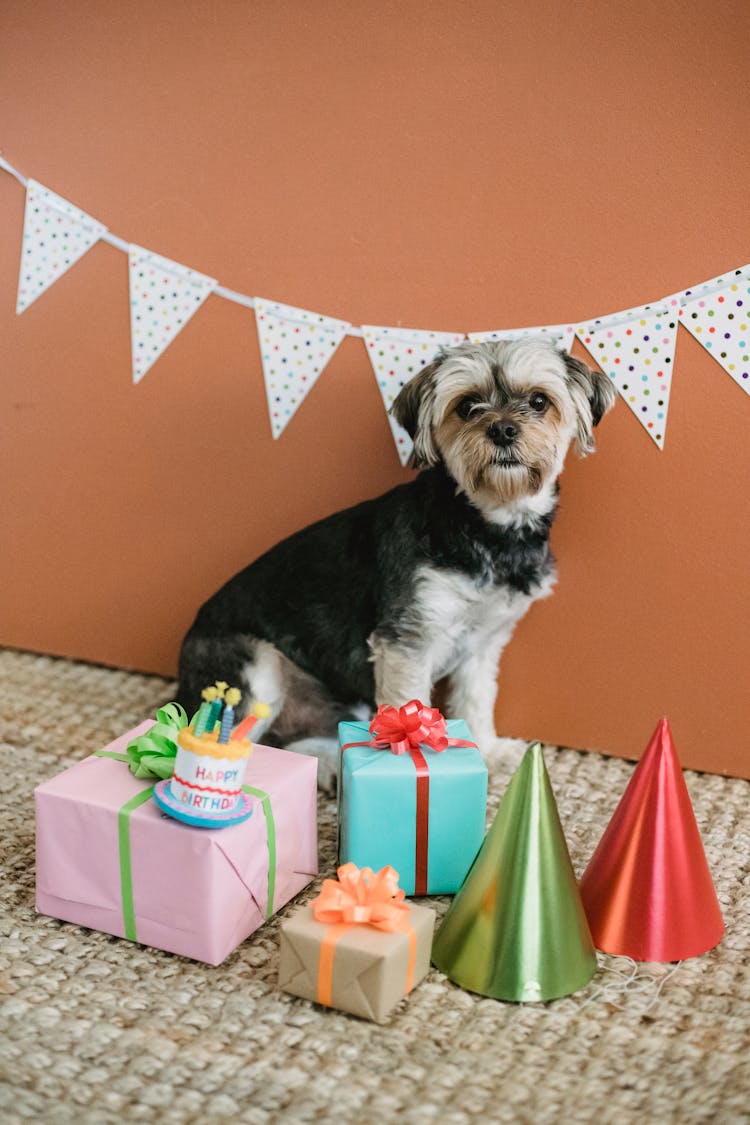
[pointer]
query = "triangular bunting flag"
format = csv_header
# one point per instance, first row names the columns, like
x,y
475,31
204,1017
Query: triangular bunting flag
x,y
719,318
517,930
647,890
295,346
55,235
397,355
163,297
563,334
637,353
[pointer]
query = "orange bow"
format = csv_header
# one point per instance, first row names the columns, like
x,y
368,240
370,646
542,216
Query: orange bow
x,y
362,897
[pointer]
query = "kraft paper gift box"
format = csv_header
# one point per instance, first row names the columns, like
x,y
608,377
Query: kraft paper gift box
x,y
422,812
356,968
107,858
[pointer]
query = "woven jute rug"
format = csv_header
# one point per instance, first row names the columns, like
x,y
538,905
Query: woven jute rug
x,y
97,1029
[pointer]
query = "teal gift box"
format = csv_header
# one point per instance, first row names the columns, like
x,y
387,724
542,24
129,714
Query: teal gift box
x,y
421,811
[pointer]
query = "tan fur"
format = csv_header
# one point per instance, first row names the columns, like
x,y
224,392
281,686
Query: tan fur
x,y
503,375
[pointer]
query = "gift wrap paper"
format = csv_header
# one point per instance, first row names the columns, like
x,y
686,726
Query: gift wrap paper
x,y
378,809
370,966
195,891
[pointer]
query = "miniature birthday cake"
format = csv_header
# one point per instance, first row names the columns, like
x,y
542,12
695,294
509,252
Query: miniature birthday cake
x,y
210,765
209,771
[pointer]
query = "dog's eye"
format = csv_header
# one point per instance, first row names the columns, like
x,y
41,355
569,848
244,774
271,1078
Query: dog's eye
x,y
466,406
538,402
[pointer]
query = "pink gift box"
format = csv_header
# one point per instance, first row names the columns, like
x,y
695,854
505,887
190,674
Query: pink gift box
x,y
198,892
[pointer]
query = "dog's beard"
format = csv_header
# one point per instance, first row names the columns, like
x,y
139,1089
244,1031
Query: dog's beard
x,y
498,476
514,476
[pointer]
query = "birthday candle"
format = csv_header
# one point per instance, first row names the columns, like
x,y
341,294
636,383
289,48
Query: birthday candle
x,y
231,698
259,711
215,711
209,695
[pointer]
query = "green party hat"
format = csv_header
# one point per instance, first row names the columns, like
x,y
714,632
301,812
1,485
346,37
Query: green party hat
x,y
517,930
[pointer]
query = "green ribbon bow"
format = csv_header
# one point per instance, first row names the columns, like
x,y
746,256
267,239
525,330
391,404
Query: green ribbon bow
x,y
153,754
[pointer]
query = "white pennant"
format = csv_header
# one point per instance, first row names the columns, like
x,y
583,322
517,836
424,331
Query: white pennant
x,y
55,235
295,346
562,334
718,315
397,355
637,352
163,297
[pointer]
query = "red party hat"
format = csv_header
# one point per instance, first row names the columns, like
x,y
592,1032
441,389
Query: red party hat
x,y
647,890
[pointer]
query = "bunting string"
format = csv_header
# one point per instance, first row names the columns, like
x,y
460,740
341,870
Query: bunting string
x,y
634,347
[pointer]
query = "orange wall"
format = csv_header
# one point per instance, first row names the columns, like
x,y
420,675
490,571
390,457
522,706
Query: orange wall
x,y
441,165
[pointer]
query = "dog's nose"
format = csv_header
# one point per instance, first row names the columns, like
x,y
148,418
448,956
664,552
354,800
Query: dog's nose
x,y
503,433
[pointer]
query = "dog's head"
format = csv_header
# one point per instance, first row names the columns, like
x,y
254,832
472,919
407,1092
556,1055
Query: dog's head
x,y
501,415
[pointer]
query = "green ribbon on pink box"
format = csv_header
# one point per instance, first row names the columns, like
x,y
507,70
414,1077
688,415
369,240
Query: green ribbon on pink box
x,y
152,755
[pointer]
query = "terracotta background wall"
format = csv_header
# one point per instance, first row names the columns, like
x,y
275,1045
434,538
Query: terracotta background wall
x,y
439,165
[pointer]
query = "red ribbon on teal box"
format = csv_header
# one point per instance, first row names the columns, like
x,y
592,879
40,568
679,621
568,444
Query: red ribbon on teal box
x,y
412,796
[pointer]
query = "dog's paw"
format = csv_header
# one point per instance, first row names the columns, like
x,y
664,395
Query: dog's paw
x,y
326,750
503,753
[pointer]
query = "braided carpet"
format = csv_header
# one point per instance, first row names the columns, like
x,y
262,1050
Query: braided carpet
x,y
94,1029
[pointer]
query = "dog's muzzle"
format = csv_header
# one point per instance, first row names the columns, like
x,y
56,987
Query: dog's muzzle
x,y
503,436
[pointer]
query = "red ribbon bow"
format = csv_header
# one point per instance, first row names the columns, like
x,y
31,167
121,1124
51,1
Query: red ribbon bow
x,y
404,730
409,727
360,896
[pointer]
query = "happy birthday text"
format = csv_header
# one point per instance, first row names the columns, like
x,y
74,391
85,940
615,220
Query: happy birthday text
x,y
204,801
202,773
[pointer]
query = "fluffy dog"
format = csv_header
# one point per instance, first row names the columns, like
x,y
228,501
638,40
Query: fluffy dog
x,y
377,603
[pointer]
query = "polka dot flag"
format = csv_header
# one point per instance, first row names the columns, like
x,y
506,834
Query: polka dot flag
x,y
295,346
562,334
718,315
396,355
55,235
637,353
163,297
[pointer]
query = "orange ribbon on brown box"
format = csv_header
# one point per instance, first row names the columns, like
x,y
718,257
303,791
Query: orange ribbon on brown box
x,y
359,900
360,897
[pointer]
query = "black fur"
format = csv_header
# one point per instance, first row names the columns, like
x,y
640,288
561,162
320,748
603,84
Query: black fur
x,y
318,595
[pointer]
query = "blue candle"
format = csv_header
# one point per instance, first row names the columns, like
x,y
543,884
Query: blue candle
x,y
232,698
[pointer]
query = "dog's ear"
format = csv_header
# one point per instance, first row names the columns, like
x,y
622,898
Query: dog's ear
x,y
593,395
412,409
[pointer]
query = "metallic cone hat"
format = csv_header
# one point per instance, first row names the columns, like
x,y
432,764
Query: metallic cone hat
x,y
647,890
517,930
